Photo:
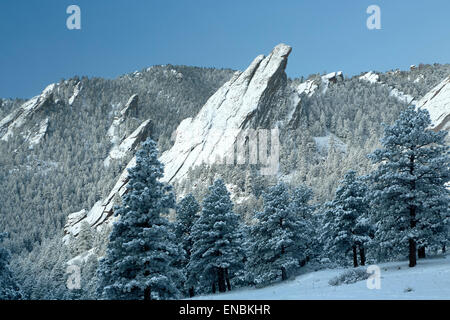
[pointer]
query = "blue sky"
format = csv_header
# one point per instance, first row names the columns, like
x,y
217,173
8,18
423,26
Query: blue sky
x,y
119,36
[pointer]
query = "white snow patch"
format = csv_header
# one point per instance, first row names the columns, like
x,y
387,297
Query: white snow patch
x,y
324,143
370,77
373,78
430,279
76,91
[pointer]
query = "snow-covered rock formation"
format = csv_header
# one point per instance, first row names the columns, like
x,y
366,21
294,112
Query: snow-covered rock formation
x,y
241,102
119,151
374,78
437,102
248,99
20,116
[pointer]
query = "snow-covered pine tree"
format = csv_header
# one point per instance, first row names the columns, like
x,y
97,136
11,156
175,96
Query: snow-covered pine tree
x,y
408,187
9,290
141,250
301,196
345,225
217,248
186,215
277,239
85,239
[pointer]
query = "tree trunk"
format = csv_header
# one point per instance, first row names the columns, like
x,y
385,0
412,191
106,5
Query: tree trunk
x,y
221,280
443,248
227,279
214,286
191,292
421,252
283,274
355,257
412,253
148,293
412,217
362,255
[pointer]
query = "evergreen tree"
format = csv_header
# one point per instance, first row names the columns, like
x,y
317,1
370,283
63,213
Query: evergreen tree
x,y
141,250
9,290
186,215
217,248
301,197
345,220
278,238
85,238
409,190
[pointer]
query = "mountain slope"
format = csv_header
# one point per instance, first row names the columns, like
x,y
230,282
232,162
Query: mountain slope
x,y
430,279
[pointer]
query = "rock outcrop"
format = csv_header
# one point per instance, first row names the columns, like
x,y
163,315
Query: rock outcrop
x,y
27,111
131,108
130,143
247,100
240,103
437,102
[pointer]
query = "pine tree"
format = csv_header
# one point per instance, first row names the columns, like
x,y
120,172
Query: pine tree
x,y
278,238
345,226
85,239
141,250
9,290
409,190
186,215
217,249
301,197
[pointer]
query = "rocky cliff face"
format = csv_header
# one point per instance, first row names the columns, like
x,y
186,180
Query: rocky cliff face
x,y
437,102
259,97
20,117
249,99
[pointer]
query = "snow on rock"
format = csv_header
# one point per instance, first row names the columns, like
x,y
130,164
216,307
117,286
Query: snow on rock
x,y
73,224
402,97
370,77
131,106
19,117
332,77
102,211
308,87
394,92
420,78
34,140
76,91
212,133
75,220
130,143
437,102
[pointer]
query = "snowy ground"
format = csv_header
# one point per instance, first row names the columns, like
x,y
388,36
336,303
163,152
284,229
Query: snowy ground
x,y
430,279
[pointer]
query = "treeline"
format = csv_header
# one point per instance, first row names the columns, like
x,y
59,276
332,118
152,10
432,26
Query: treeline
x,y
399,209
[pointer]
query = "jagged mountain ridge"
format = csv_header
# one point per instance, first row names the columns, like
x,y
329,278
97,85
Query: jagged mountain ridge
x,y
45,179
259,97
288,103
